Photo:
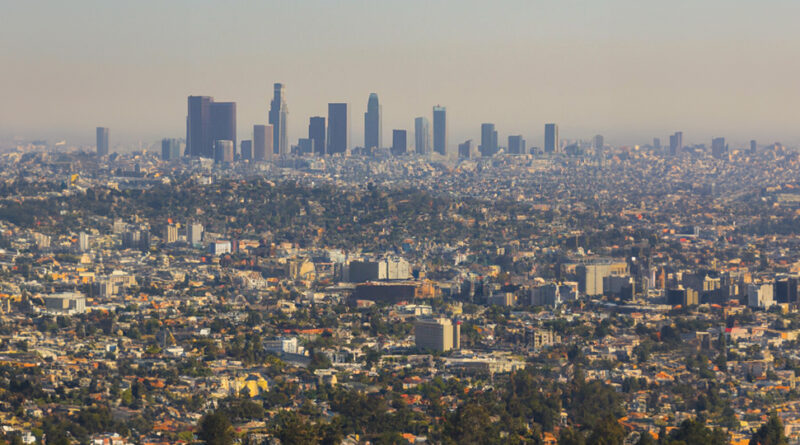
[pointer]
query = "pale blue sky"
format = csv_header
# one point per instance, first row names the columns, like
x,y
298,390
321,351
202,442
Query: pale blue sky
x,y
630,70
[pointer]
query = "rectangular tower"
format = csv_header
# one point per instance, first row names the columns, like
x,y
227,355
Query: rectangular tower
x,y
338,130
102,141
440,130
399,142
551,141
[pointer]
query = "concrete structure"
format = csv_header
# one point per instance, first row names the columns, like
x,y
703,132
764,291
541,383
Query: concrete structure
x,y
438,334
760,295
220,247
83,241
391,268
170,233
195,234
282,345
590,275
68,303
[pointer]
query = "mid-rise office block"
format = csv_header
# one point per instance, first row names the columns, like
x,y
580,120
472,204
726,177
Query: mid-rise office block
x,y
437,334
194,234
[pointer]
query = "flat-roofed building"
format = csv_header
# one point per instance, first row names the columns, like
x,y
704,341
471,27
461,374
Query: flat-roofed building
x,y
438,334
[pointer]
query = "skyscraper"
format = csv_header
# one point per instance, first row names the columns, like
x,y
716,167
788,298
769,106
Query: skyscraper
x,y
278,113
551,142
247,149
399,142
223,122
422,135
102,141
372,123
516,145
316,132
598,142
440,130
753,146
262,142
488,145
170,149
718,147
676,143
338,128
656,143
465,149
223,151
198,134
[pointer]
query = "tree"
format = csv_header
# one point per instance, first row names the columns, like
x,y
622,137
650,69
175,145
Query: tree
x,y
770,433
292,429
608,431
646,439
568,436
216,429
695,431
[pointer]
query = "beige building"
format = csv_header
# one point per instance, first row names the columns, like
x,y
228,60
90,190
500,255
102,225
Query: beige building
x,y
438,334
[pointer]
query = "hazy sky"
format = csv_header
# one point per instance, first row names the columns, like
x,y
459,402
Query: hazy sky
x,y
629,69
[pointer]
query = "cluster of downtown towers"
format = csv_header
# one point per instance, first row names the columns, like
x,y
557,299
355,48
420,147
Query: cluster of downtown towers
x,y
211,132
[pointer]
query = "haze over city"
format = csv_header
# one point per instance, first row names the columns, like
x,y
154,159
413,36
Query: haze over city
x,y
630,70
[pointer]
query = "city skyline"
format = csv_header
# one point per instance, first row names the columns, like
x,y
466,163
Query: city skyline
x,y
620,73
